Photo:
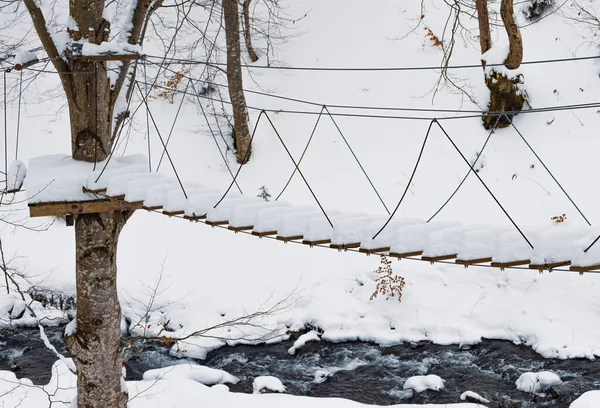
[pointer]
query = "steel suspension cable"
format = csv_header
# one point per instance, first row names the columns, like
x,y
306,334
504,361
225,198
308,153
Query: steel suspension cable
x,y
483,183
468,172
409,180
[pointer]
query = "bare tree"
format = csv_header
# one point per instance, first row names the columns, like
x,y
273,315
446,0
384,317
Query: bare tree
x,y
241,132
91,97
506,94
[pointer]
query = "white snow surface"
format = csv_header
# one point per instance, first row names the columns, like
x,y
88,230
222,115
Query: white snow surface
x,y
203,375
590,399
537,382
267,382
420,383
474,396
16,174
212,275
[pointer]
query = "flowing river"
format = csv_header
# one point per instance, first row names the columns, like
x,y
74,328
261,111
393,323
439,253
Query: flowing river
x,y
358,371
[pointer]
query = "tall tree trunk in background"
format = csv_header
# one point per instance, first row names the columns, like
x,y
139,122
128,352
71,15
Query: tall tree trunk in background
x,y
506,94
247,30
241,133
515,54
483,17
96,343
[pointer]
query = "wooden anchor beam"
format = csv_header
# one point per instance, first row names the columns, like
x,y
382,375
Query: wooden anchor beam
x,y
80,207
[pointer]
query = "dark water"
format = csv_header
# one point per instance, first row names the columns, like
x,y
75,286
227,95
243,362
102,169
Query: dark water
x,y
359,371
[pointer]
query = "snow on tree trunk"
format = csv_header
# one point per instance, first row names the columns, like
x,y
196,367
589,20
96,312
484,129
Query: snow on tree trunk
x,y
241,133
96,342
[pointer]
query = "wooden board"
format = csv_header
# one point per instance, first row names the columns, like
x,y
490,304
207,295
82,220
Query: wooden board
x,y
264,234
317,242
194,217
405,254
438,258
374,250
586,268
340,247
503,265
541,267
13,191
215,223
153,208
468,262
172,213
237,229
291,238
80,207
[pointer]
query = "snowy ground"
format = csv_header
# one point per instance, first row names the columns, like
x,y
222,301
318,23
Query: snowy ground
x,y
211,275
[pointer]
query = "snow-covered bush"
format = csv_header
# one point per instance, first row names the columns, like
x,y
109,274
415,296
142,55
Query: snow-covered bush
x,y
388,283
538,9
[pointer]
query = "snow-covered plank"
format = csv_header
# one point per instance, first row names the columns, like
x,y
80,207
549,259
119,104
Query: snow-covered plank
x,y
555,246
512,250
156,195
444,244
412,239
243,218
117,185
319,231
348,232
478,246
138,190
585,261
383,241
221,214
97,180
198,201
60,178
267,220
292,226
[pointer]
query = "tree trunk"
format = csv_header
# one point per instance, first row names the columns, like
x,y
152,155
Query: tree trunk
x,y
515,54
96,343
247,27
241,133
90,112
483,17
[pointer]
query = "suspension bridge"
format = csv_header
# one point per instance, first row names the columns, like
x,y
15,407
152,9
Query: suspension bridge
x,y
60,186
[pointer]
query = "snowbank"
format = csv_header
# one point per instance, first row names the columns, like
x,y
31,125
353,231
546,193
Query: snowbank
x,y
420,383
537,382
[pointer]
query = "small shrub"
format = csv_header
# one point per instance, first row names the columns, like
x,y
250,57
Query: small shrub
x,y
538,8
263,193
169,87
388,283
435,41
